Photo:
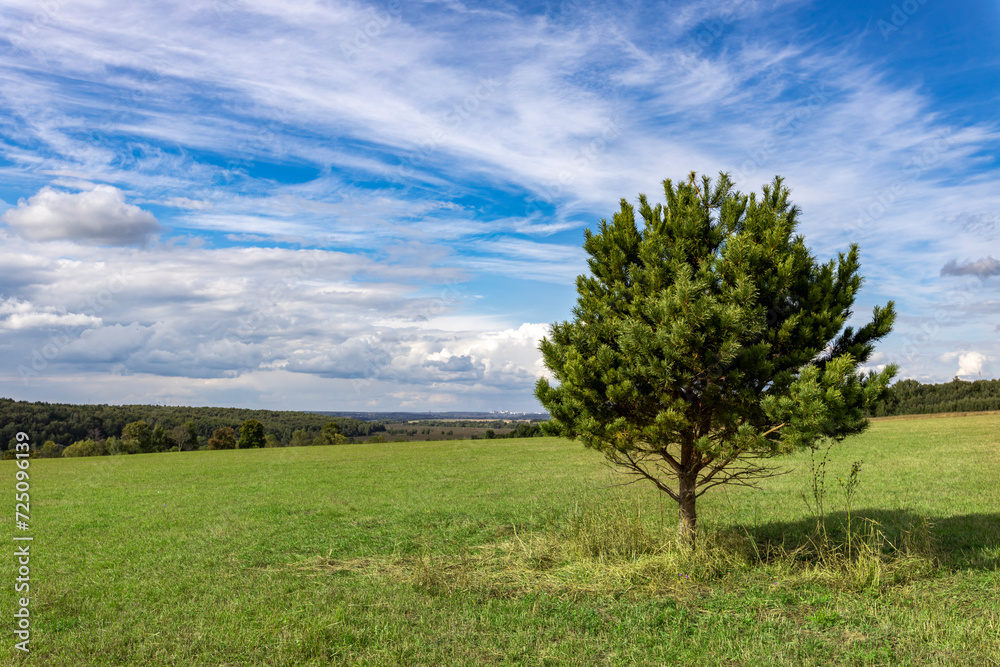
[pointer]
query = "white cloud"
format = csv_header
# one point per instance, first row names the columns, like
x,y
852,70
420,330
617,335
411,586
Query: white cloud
x,y
98,216
524,259
106,345
404,153
222,313
18,315
429,356
970,364
185,203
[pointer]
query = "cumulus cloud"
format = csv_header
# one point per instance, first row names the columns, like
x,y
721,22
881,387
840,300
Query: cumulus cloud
x,y
106,345
100,216
970,364
355,358
221,314
504,359
456,364
984,268
463,174
18,315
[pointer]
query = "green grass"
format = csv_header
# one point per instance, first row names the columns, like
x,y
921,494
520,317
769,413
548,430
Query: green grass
x,y
509,552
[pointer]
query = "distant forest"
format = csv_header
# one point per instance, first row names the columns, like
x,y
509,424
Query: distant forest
x,y
65,424
909,397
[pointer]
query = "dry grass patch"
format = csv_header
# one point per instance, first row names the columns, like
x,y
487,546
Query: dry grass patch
x,y
613,549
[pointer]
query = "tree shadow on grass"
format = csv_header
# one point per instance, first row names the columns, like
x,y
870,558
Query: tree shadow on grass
x,y
965,541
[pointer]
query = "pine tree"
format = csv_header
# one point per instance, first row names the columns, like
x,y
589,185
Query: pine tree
x,y
706,342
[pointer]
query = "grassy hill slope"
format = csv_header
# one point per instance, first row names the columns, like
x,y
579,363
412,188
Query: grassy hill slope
x,y
506,552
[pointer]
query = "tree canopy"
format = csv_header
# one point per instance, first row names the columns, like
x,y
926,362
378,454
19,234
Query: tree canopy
x,y
66,424
251,435
908,397
223,438
708,340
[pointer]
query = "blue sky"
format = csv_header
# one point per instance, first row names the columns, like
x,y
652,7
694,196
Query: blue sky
x,y
342,206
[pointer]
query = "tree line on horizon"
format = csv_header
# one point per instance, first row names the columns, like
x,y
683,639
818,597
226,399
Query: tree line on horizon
x,y
96,430
168,426
194,428
910,397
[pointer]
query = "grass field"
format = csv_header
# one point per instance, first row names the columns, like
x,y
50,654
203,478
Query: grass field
x,y
508,552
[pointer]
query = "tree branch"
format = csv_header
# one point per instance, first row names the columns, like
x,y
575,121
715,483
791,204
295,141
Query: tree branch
x,y
668,457
747,475
636,467
774,429
718,467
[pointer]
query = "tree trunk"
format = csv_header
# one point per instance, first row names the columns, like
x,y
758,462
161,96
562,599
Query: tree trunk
x,y
688,516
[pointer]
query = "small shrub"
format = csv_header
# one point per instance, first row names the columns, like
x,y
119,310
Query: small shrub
x,y
86,447
50,450
300,438
223,438
118,446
